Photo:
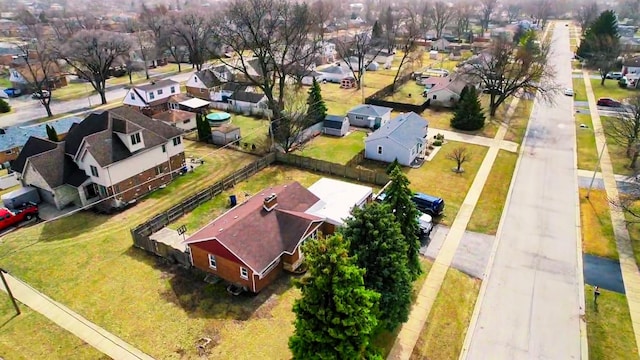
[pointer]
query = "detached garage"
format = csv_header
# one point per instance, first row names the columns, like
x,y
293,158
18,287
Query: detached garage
x,y
225,134
335,125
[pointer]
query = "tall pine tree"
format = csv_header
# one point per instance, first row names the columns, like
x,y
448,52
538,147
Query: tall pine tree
x,y
398,197
600,45
336,314
203,127
317,110
468,114
376,32
376,242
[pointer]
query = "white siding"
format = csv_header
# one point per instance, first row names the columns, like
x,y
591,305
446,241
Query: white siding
x,y
102,178
186,126
195,82
390,151
129,167
136,101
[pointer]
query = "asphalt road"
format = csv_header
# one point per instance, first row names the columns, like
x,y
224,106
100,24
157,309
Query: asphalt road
x,y
27,110
531,305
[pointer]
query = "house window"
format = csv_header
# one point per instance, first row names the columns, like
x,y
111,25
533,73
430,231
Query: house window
x,y
102,190
132,96
164,148
177,141
173,89
186,121
159,91
94,171
202,91
174,106
135,138
435,97
379,150
212,262
244,273
195,79
151,96
359,118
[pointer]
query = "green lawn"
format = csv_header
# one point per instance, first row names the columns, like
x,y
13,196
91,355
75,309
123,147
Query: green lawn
x,y
409,93
586,143
486,215
334,149
617,152
339,101
443,334
633,225
609,330
32,336
519,121
597,231
436,178
87,262
441,119
610,90
253,130
579,89
73,91
4,82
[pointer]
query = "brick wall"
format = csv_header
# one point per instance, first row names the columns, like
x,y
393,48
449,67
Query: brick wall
x,y
196,92
176,162
139,184
9,155
225,269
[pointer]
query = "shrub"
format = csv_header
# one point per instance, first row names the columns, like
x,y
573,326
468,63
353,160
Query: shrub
x,y
437,143
4,106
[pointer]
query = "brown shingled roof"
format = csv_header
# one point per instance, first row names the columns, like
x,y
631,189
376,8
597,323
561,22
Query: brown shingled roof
x,y
258,237
174,116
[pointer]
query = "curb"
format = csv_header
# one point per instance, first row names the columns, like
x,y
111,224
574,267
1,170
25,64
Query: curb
x,y
584,345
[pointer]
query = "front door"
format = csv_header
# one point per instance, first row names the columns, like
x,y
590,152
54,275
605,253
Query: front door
x,y
90,191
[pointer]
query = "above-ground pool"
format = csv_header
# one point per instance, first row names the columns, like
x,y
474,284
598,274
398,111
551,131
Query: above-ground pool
x,y
218,118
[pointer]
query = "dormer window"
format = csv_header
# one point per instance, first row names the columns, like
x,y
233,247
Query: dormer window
x,y
132,96
135,138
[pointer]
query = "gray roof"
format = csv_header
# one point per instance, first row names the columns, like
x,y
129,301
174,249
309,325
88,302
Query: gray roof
x,y
333,69
157,85
247,97
17,136
333,121
370,110
208,78
402,128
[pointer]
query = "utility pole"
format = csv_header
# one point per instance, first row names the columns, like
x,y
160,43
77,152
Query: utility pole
x,y
595,171
6,286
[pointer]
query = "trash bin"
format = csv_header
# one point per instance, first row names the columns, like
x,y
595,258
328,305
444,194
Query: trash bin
x,y
233,200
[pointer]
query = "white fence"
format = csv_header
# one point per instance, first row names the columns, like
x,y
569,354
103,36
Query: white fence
x,y
8,181
252,111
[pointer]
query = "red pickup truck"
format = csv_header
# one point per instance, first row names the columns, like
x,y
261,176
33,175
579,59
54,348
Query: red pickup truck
x,y
9,218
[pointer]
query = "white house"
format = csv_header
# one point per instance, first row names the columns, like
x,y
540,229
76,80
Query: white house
x,y
381,56
308,79
247,101
369,116
115,156
446,93
153,96
403,137
334,73
337,199
206,83
181,119
631,65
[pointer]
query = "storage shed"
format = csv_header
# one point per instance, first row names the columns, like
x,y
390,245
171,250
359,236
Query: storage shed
x,y
335,125
225,134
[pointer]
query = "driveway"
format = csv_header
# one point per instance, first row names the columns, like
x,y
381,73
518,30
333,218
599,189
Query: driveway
x,y
530,306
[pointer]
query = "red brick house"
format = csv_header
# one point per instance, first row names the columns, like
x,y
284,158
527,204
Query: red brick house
x,y
251,244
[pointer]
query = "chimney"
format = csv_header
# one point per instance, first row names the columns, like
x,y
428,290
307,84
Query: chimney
x,y
270,202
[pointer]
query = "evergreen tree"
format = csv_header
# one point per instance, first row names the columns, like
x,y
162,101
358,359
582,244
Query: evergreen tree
x,y
335,315
392,166
4,106
203,128
51,133
398,197
468,114
375,240
600,45
376,32
317,110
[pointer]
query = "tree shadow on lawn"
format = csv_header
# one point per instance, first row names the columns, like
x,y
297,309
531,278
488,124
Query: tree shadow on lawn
x,y
71,226
202,300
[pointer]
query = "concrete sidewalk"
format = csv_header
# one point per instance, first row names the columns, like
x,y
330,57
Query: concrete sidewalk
x,y
630,273
92,334
410,331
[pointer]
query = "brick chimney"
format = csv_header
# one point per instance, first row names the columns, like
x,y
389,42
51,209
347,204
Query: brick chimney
x,y
270,202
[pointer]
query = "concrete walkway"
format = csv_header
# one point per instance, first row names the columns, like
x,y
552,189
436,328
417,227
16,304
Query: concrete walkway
x,y
630,273
92,334
410,331
475,139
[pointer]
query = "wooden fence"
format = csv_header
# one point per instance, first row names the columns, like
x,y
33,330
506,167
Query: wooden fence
x,y
141,233
364,175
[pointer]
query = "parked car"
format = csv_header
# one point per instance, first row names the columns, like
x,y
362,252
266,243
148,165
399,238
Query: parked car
x,y
425,222
614,75
12,217
609,102
13,92
569,92
41,95
431,205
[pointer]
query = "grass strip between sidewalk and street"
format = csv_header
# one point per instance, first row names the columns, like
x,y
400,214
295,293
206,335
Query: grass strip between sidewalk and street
x,y
597,230
585,143
443,334
609,330
488,211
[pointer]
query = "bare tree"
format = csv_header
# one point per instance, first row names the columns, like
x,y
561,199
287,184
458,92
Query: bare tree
x,y
390,28
195,31
174,45
541,11
358,52
425,19
142,43
441,15
463,11
625,129
37,60
408,45
587,14
65,27
513,12
91,54
290,129
271,41
460,155
323,11
511,69
487,7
